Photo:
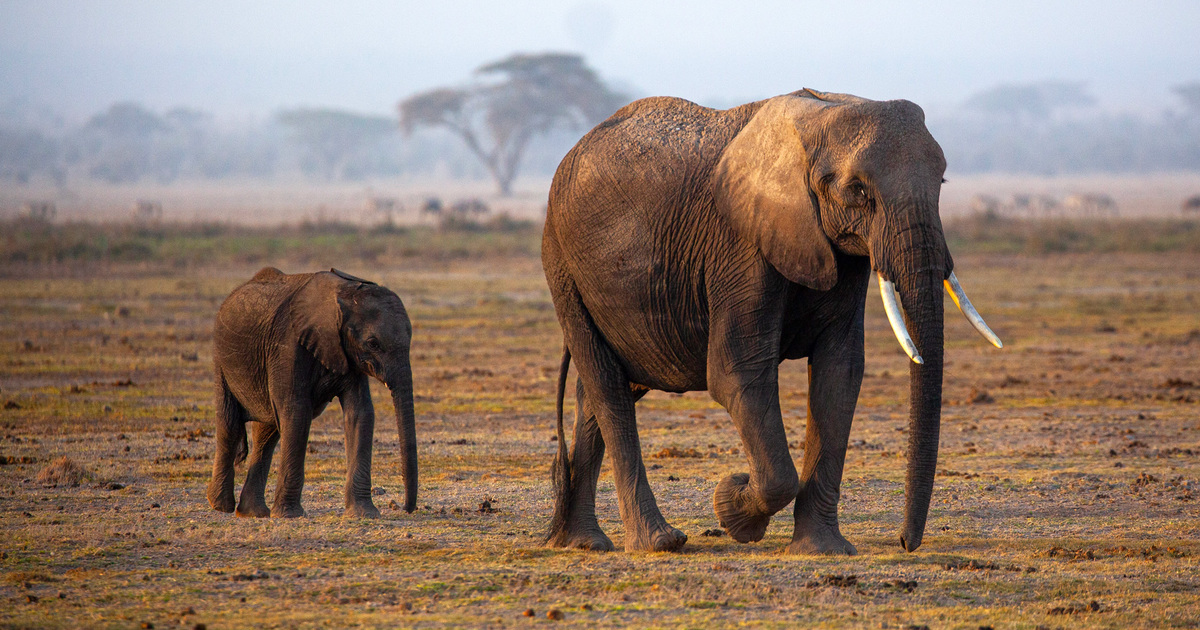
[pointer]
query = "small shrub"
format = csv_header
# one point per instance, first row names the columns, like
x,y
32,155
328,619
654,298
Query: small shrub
x,y
63,472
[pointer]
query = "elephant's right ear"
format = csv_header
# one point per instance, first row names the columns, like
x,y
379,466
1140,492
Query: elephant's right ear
x,y
315,317
761,187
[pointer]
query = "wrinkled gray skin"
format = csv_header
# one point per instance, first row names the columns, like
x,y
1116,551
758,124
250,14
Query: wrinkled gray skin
x,y
693,249
284,347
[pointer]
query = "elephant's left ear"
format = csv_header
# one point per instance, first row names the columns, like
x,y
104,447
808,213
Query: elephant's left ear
x,y
761,187
315,316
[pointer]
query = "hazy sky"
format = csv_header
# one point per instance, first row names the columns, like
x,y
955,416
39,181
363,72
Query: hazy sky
x,y
251,58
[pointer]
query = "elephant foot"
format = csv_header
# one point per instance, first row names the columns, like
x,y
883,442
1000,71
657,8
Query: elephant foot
x,y
287,511
662,537
733,504
247,509
822,540
361,509
588,538
220,497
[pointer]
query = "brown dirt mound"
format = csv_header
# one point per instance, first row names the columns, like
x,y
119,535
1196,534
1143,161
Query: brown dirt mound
x,y
63,471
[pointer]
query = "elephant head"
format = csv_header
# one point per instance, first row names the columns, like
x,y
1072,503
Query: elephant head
x,y
814,173
350,323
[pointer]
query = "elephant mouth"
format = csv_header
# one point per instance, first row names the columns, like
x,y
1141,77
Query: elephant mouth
x,y
895,315
852,244
373,370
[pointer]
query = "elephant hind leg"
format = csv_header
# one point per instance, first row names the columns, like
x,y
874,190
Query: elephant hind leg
x,y
231,440
253,500
612,401
574,525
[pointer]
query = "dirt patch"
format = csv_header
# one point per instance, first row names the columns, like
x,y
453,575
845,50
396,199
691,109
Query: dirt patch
x,y
1076,609
674,451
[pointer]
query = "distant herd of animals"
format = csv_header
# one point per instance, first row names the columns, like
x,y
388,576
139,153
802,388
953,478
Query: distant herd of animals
x,y
685,249
1083,206
385,210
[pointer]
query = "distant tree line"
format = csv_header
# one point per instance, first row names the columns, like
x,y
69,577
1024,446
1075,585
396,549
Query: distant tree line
x,y
1053,128
521,115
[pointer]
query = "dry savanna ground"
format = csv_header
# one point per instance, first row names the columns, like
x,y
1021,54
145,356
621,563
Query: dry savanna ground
x,y
1066,494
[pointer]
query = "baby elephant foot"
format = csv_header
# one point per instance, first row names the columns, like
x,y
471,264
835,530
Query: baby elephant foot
x,y
287,511
587,538
736,512
361,509
820,540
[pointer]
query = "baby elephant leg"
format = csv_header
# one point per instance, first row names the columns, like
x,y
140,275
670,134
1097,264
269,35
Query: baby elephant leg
x,y
295,420
359,416
253,500
231,433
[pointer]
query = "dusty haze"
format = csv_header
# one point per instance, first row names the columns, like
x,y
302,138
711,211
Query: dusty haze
x,y
251,59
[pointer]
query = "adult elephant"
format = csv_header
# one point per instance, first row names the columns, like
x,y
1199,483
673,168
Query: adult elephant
x,y
285,345
692,249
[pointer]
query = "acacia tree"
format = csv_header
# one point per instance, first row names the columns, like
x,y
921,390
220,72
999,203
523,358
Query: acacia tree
x,y
512,101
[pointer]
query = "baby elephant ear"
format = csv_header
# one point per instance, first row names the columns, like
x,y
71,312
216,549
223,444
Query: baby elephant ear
x,y
761,187
315,317
345,276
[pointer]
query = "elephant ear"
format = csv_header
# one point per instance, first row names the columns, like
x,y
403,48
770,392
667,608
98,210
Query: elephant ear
x,y
761,186
315,317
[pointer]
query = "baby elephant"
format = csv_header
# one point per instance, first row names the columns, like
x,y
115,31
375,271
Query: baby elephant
x,y
286,345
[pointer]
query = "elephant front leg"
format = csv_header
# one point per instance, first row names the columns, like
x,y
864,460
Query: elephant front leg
x,y
745,502
580,529
834,380
359,415
253,500
294,424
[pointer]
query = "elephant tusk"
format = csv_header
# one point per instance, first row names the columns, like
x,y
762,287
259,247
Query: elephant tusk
x,y
896,319
960,300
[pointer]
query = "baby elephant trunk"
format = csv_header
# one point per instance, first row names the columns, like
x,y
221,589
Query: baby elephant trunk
x,y
402,398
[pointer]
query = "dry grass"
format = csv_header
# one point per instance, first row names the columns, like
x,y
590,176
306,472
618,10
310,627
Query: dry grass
x,y
1066,496
993,234
63,471
178,246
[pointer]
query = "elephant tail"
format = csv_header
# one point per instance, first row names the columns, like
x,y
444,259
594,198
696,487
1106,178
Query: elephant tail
x,y
243,447
560,470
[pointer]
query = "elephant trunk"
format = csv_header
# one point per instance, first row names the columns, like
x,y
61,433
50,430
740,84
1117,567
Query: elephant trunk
x,y
917,260
402,398
922,298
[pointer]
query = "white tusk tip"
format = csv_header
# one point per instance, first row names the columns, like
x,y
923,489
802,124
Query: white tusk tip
x,y
891,306
960,300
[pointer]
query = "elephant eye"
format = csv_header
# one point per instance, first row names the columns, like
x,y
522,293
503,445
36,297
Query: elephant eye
x,y
857,194
373,343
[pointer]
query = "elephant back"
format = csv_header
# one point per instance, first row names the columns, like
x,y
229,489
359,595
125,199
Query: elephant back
x,y
613,181
631,218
